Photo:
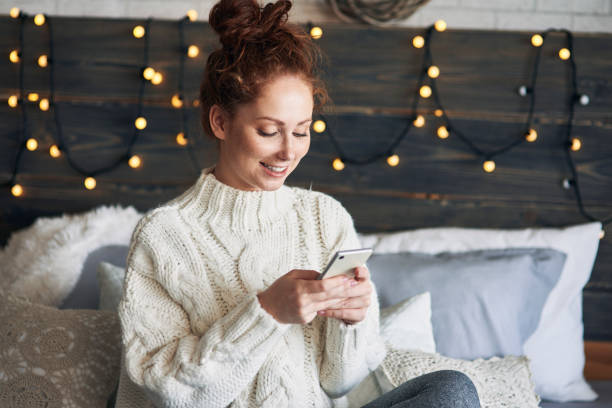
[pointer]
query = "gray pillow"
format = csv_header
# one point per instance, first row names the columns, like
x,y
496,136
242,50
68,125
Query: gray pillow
x,y
484,303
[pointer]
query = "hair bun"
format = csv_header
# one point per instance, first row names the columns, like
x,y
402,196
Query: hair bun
x,y
241,21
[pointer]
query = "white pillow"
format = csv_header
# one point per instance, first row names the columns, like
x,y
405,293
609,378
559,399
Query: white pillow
x,y
407,325
556,347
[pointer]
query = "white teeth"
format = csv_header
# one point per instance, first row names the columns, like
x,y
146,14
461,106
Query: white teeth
x,y
275,169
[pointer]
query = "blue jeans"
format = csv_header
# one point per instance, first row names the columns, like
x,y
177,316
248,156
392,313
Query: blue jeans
x,y
440,389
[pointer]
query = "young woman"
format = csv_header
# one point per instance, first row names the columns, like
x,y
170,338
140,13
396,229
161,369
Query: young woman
x,y
221,305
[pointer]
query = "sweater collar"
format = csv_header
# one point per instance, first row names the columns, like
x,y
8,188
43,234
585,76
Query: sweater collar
x,y
241,210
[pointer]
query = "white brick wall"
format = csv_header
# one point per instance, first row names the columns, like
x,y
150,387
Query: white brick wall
x,y
527,15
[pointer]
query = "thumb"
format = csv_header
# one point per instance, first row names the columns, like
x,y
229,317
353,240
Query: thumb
x,y
304,274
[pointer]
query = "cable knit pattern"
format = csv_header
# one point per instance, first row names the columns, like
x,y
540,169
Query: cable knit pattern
x,y
194,333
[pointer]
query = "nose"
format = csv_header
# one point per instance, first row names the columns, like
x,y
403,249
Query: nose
x,y
286,150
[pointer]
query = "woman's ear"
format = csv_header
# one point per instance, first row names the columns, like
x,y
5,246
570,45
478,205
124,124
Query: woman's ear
x,y
218,119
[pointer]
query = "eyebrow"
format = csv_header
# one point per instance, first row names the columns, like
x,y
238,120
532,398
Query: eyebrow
x,y
281,122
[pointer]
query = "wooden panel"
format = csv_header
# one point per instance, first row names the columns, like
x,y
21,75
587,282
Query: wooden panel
x,y
598,365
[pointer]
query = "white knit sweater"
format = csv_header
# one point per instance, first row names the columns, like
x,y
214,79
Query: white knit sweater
x,y
194,333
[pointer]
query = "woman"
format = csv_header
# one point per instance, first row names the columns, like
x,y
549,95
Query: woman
x,y
221,306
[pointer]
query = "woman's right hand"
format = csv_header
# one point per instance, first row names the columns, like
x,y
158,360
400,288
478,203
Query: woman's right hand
x,y
297,296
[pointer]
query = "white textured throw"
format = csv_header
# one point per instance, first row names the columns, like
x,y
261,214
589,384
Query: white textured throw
x,y
43,262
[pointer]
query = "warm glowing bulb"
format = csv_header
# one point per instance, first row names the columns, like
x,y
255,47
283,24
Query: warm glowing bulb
x,y
564,53
419,121
90,183
139,31
393,160
135,161
13,101
576,144
433,71
14,56
44,104
15,12
418,41
157,78
316,32
177,102
33,97
193,51
537,40
489,166
531,136
425,91
140,123
39,19
181,140
32,144
55,152
319,126
192,15
338,164
602,234
443,132
440,25
438,112
43,61
17,190
148,73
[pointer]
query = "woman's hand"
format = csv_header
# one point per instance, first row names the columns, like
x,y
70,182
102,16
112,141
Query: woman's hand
x,y
297,296
353,309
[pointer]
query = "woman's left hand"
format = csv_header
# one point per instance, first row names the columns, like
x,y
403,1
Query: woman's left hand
x,y
353,309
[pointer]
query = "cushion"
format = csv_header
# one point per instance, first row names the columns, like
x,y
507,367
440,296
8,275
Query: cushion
x,y
555,348
44,261
484,303
57,358
111,285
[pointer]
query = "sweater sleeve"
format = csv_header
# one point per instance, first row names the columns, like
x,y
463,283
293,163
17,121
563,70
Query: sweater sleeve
x,y
164,357
350,351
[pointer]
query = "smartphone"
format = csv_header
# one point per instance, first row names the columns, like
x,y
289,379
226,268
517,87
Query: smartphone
x,y
345,261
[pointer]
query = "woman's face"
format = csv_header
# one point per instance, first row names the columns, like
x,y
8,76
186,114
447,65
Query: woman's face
x,y
266,139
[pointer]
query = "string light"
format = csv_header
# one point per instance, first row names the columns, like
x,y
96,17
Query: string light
x,y
157,78
338,164
418,41
584,99
393,160
140,123
192,15
135,161
440,25
148,73
54,151
537,40
193,51
576,144
489,166
13,101
39,19
15,12
425,91
602,234
32,144
564,54
531,136
523,90
419,121
318,126
43,61
89,183
316,32
139,31
17,190
443,132
33,97
176,101
433,71
438,112
44,104
180,139
14,56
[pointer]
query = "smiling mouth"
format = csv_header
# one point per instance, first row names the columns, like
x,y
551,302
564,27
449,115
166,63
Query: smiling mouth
x,y
274,168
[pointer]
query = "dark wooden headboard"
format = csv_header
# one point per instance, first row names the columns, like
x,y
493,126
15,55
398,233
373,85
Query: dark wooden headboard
x,y
372,76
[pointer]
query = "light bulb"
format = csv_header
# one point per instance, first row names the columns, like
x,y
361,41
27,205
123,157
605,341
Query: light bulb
x,y
139,31
443,132
43,61
148,73
438,112
180,139
135,161
17,190
32,144
44,104
531,136
177,102
14,56
90,183
39,19
55,152
418,41
425,91
316,32
522,90
192,15
602,234
489,166
433,71
576,144
157,78
15,12
564,53
537,40
393,160
13,101
193,51
319,126
140,123
584,99
33,97
338,164
440,25
419,121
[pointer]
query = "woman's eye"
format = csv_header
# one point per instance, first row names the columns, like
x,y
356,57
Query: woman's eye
x,y
266,134
301,134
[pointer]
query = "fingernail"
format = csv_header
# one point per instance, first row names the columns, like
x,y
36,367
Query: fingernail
x,y
321,312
